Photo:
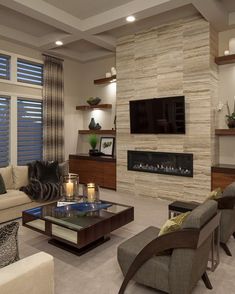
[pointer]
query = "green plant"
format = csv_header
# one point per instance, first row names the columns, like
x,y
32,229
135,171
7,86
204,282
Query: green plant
x,y
93,140
230,116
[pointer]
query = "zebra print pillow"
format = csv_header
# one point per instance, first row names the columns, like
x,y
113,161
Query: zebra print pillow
x,y
9,244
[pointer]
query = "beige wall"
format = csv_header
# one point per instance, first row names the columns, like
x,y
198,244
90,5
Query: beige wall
x,y
107,92
173,59
226,93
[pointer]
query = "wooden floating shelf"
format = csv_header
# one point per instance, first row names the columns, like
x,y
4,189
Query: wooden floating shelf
x,y
228,59
105,80
98,132
90,107
225,132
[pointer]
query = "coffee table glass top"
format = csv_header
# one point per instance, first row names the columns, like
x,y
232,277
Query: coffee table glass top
x,y
76,216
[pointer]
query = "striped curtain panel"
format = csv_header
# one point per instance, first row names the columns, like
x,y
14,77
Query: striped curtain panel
x,y
53,109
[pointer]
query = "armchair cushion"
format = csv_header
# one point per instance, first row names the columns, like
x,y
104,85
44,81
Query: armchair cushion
x,y
201,215
229,190
154,273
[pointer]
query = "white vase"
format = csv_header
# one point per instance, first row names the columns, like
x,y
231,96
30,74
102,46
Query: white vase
x,y
232,46
113,71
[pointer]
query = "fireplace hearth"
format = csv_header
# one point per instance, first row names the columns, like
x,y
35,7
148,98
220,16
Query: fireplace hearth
x,y
177,164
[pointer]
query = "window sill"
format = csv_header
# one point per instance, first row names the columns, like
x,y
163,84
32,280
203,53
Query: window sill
x,y
20,84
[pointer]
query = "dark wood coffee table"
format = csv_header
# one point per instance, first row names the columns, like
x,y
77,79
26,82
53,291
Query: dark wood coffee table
x,y
78,227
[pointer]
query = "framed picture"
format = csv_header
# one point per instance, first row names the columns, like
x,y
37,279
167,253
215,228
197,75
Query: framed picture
x,y
107,145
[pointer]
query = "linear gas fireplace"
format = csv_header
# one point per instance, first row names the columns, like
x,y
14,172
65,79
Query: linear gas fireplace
x,y
177,164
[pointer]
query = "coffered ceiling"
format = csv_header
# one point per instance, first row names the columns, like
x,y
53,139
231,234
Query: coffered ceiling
x,y
89,28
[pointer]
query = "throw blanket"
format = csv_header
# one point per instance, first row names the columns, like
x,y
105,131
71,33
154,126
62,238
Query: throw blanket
x,y
40,192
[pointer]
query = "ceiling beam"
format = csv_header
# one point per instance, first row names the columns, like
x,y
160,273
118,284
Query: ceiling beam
x,y
55,17
214,12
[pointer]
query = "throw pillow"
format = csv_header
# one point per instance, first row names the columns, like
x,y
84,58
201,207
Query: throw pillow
x,y
47,172
174,224
9,244
215,194
64,168
2,185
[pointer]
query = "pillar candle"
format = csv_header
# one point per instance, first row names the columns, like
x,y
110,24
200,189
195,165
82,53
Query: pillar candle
x,y
91,192
69,189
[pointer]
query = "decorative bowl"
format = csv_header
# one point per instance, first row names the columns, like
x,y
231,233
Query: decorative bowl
x,y
93,101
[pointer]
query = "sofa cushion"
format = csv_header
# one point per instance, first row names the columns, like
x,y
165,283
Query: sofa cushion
x,y
6,173
8,244
47,172
13,198
20,176
2,186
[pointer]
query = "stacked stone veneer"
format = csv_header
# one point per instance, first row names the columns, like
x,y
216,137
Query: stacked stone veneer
x,y
172,59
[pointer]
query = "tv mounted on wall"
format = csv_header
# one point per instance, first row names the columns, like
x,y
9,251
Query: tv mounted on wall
x,y
158,116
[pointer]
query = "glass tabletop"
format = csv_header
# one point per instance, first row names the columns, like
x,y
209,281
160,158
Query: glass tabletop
x,y
76,216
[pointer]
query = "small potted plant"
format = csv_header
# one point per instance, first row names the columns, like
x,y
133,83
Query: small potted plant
x,y
93,140
231,116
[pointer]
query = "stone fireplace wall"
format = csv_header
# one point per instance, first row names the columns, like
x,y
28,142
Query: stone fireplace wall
x,y
170,60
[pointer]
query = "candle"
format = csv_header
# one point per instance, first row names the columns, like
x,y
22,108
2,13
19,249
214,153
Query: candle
x,y
69,189
91,192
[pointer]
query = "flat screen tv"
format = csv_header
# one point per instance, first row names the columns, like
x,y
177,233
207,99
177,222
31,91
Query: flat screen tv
x,y
158,116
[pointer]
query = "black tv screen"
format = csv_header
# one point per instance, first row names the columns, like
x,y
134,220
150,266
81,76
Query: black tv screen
x,y
158,116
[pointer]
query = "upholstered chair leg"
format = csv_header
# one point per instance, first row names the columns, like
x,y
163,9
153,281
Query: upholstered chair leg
x,y
226,249
206,281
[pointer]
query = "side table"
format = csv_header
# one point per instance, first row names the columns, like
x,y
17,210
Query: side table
x,y
178,207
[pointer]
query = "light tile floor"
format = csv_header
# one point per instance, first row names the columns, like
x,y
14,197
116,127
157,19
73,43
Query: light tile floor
x,y
98,272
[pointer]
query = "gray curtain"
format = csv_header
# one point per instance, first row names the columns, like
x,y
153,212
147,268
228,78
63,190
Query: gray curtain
x,y
53,109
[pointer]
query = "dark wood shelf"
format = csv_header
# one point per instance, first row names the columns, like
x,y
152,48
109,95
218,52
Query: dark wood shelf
x,y
95,158
98,132
225,132
105,80
228,59
90,107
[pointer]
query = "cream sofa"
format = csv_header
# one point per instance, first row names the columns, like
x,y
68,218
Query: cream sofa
x,y
33,274
14,201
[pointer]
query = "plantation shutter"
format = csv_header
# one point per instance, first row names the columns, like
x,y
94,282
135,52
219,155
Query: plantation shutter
x,y
29,131
5,66
29,72
4,130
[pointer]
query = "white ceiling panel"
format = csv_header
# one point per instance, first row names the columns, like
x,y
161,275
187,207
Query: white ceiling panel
x,y
83,9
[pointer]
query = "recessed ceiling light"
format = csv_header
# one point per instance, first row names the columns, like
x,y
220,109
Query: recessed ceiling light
x,y
130,18
59,43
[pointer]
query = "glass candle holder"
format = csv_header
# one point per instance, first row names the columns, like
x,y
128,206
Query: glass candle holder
x,y
70,186
91,192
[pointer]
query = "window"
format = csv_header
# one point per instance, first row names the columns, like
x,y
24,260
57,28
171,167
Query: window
x,y
29,72
29,130
4,130
5,66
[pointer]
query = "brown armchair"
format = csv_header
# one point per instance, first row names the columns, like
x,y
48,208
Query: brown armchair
x,y
176,272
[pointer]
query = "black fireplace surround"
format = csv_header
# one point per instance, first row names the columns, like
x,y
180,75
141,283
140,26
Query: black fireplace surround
x,y
177,164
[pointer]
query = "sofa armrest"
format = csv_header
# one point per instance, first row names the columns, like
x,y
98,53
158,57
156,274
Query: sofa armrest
x,y
33,274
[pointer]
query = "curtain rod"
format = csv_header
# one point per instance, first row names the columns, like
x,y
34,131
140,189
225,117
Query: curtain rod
x,y
45,54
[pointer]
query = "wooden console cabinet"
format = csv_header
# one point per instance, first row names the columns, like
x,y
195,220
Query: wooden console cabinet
x,y
222,175
100,170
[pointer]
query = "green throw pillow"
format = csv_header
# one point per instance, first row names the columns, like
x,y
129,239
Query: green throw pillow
x,y
215,194
174,224
2,186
